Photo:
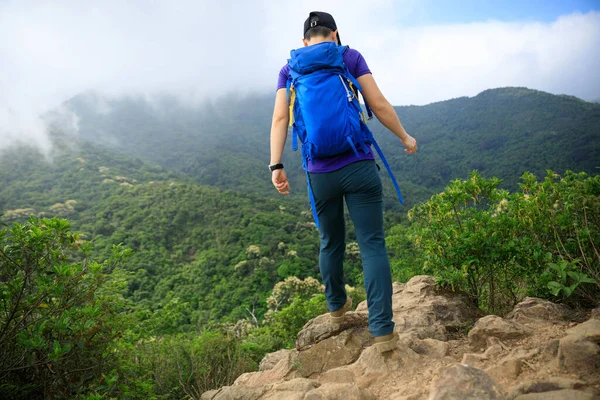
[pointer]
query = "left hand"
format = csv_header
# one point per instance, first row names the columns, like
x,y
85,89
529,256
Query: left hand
x,y
280,181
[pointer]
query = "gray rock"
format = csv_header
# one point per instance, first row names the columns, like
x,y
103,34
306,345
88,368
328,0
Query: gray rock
x,y
235,393
339,391
495,326
546,385
462,382
333,352
321,328
272,359
430,311
532,308
578,355
565,394
294,389
589,329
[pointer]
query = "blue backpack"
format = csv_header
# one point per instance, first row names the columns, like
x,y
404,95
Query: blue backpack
x,y
324,108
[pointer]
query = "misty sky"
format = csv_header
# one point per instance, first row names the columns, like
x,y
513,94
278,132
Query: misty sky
x,y
420,51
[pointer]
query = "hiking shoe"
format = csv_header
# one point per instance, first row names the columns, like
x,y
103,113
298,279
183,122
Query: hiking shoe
x,y
337,317
386,343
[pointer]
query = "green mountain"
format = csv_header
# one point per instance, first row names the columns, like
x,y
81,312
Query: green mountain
x,y
218,252
500,132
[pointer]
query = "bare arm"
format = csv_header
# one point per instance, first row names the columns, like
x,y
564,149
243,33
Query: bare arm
x,y
385,112
279,128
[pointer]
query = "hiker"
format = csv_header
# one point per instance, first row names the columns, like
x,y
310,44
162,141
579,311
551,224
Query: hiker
x,y
345,171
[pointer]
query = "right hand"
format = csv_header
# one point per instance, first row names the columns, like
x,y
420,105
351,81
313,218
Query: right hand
x,y
280,181
410,144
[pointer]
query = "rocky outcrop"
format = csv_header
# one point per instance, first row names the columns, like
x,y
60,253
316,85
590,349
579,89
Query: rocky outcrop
x,y
461,382
535,352
532,309
493,326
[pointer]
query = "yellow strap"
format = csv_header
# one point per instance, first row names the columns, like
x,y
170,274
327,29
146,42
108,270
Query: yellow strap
x,y
292,101
362,114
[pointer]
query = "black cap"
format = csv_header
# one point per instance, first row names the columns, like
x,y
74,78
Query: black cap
x,y
318,18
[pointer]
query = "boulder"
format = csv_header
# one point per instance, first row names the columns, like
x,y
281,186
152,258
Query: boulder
x,y
431,311
462,382
589,329
286,368
339,391
294,389
371,361
272,359
235,393
321,328
333,352
532,308
565,394
506,369
495,326
547,386
578,355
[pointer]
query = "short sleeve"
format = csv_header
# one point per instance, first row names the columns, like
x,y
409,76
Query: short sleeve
x,y
283,77
356,63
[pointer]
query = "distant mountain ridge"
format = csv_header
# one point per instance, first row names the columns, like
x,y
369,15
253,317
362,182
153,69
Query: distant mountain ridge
x,y
502,132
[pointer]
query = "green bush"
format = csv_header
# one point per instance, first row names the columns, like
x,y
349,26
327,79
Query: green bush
x,y
59,312
499,247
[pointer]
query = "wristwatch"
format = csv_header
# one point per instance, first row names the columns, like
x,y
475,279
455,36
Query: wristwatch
x,y
275,166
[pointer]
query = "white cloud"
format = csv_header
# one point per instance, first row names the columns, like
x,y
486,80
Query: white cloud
x,y
52,50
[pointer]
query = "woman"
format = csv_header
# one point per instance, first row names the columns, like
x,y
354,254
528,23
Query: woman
x,y
353,179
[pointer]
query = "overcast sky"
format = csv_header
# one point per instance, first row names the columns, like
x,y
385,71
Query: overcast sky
x,y
419,51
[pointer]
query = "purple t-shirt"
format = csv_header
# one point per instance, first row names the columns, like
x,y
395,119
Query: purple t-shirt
x,y
358,67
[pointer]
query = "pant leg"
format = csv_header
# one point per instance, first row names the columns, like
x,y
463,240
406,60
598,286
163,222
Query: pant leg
x,y
364,198
329,201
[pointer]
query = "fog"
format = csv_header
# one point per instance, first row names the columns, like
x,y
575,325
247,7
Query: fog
x,y
198,50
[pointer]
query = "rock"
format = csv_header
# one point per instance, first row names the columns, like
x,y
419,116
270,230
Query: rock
x,y
321,328
338,375
294,389
507,369
494,350
589,329
566,394
333,352
578,355
595,313
272,359
547,385
362,307
235,393
339,391
502,329
532,308
431,311
428,347
461,382
373,362
474,360
550,387
436,348
285,369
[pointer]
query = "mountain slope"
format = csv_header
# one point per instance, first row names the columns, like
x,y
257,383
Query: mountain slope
x,y
216,253
501,132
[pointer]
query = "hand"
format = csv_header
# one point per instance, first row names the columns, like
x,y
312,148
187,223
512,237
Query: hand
x,y
410,144
280,181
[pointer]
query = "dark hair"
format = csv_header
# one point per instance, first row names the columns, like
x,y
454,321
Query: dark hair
x,y
317,31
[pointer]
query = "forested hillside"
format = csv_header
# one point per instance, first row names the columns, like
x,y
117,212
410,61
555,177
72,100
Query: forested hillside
x,y
190,265
225,143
